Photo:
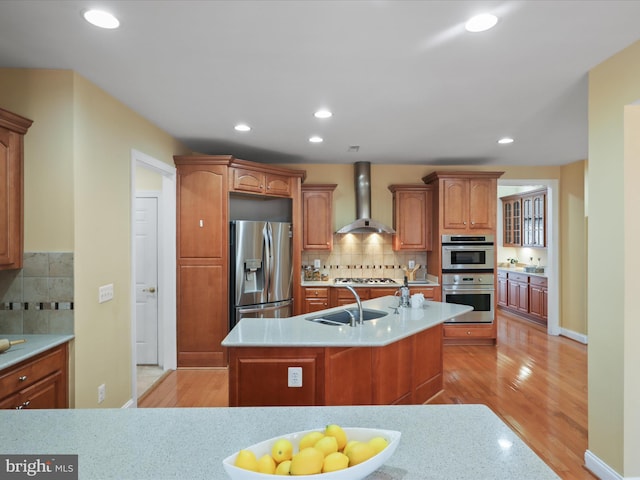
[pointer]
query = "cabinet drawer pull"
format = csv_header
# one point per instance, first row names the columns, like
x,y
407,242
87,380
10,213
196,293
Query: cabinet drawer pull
x,y
22,378
468,333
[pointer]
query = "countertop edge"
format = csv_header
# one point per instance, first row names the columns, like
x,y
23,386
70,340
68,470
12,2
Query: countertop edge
x,y
35,345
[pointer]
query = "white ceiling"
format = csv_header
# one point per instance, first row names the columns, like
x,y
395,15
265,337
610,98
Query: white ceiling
x,y
404,79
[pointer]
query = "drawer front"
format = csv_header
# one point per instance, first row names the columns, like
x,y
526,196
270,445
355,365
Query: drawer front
x,y
316,292
502,274
467,331
27,373
346,294
518,277
539,281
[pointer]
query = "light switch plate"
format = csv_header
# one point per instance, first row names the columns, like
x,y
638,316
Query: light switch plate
x,y
294,377
105,293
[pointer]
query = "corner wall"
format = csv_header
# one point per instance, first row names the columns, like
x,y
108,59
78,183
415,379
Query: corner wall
x,y
613,312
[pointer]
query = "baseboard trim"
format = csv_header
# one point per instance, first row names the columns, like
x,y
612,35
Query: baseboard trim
x,y
601,469
578,337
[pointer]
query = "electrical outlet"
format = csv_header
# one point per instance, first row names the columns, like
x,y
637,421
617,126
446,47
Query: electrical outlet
x,y
316,263
412,263
102,391
105,293
295,377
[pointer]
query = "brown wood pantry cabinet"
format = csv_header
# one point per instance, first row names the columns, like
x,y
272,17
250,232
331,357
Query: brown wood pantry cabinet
x,y
203,186
13,127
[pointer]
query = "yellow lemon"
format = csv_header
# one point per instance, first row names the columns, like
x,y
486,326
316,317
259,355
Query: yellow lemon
x,y
307,461
282,450
336,431
247,459
335,461
266,464
378,444
360,452
310,439
348,446
283,468
327,445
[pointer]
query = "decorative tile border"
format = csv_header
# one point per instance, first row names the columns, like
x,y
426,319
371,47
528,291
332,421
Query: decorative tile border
x,y
37,306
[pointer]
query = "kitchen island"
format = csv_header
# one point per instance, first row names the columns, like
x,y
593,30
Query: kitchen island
x,y
395,359
438,441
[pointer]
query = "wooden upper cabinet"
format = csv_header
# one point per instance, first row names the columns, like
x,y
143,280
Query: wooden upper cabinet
x,y
265,183
524,219
12,130
467,201
202,218
412,205
317,217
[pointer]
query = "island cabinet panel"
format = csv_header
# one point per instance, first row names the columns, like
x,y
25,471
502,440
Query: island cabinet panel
x,y
427,364
392,373
259,377
348,376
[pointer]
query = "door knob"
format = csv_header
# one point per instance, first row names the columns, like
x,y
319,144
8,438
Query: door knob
x,y
150,290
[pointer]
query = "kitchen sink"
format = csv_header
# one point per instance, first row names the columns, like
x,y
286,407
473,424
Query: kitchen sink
x,y
344,318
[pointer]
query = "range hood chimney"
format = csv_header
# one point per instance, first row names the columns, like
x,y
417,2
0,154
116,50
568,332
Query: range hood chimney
x,y
364,223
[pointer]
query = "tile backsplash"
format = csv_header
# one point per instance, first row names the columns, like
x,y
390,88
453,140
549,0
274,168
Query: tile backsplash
x,y
38,298
357,255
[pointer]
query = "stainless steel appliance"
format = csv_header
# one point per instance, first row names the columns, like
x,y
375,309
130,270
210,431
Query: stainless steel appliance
x,y
261,270
474,289
467,252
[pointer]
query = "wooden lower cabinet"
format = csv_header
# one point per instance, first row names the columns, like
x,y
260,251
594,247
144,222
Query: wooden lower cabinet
x,y
408,371
527,296
315,299
39,382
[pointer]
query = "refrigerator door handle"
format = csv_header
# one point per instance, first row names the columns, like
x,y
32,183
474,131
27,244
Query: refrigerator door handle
x,y
268,258
265,309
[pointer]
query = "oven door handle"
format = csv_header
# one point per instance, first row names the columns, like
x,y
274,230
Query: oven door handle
x,y
463,289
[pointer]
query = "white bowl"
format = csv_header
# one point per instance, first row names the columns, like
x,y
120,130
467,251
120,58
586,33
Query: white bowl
x,y
356,472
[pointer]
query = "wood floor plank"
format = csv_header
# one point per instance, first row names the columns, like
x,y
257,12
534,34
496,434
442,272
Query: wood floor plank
x,y
535,382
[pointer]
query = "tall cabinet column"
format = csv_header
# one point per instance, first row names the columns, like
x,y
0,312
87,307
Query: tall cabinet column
x,y
202,263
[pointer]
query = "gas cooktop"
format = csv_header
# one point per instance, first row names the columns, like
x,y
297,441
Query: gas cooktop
x,y
365,281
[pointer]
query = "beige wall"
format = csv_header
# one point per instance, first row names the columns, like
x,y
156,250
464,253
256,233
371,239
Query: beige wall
x,y
573,248
77,197
613,311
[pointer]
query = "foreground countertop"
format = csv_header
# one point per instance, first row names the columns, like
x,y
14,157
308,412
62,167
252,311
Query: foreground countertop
x,y
35,344
438,441
298,332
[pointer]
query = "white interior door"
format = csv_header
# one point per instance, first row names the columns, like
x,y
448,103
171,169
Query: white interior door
x,y
146,244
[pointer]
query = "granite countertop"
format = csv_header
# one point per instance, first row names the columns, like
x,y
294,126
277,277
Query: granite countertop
x,y
438,441
35,344
521,270
298,332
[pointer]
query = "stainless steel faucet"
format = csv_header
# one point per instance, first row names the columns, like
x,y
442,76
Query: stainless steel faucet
x,y
355,321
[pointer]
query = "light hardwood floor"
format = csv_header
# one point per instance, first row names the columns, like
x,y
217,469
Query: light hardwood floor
x,y
535,382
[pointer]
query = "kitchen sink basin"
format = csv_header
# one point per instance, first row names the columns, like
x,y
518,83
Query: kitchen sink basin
x,y
344,318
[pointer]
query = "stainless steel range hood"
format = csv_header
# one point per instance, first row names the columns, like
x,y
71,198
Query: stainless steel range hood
x,y
364,223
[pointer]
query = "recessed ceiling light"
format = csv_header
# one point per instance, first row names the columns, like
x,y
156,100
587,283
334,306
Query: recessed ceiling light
x,y
315,139
323,114
505,140
101,19
242,127
480,23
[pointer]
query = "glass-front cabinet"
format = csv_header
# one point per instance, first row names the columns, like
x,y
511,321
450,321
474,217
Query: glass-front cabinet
x,y
524,219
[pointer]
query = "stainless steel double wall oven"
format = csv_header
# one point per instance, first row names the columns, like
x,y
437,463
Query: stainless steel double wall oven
x,y
468,275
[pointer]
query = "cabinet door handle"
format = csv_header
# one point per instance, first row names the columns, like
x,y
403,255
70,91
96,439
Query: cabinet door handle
x,y
464,223
22,378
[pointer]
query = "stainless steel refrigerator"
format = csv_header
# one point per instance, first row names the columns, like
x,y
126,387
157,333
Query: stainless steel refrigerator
x,y
261,270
